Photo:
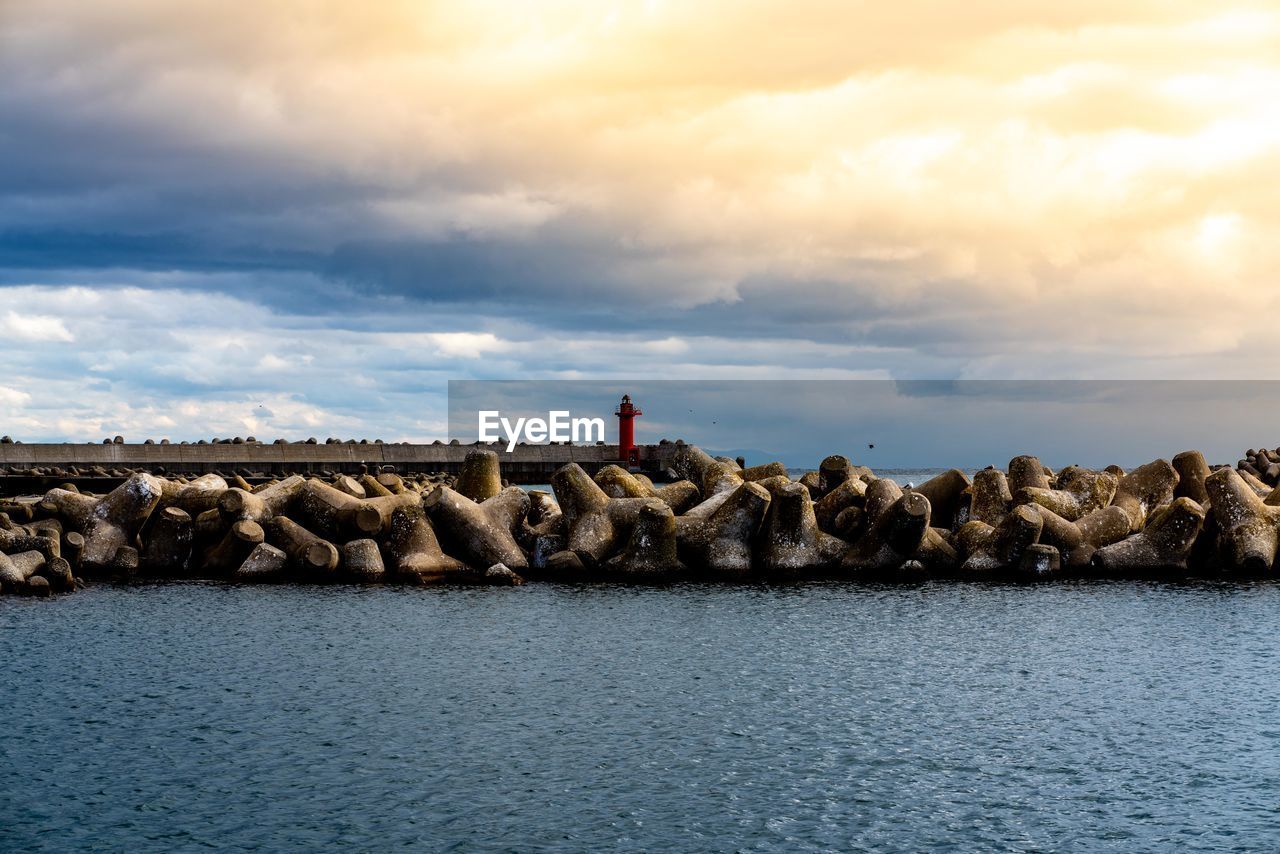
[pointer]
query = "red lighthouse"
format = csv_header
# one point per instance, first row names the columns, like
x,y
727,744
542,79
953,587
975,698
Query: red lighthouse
x,y
627,432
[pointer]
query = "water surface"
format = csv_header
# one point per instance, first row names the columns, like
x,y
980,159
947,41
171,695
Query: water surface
x,y
1117,717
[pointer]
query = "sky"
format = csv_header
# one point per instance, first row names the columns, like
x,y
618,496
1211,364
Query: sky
x,y
303,218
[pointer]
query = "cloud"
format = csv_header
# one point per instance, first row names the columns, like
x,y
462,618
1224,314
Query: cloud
x,y
1000,189
13,397
188,364
468,344
34,327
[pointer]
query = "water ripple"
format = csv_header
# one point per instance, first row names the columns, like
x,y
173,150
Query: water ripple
x,y
814,717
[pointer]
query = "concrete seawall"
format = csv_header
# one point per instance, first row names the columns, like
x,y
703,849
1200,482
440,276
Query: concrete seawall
x,y
102,463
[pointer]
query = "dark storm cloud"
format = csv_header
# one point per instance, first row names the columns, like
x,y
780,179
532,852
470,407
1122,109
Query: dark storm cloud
x,y
334,207
62,250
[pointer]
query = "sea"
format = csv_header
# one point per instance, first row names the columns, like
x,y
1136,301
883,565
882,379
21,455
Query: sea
x,y
1082,716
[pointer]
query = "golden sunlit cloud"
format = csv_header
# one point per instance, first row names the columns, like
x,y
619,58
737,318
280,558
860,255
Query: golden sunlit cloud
x,y
1091,177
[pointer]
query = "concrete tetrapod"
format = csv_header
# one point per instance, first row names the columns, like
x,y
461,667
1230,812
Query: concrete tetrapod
x,y
378,521
28,563
1080,492
20,540
936,552
362,561
1144,489
11,512
833,471
1077,541
265,564
195,496
509,508
501,575
1249,528
50,532
542,533
1163,544
166,547
617,482
26,573
261,505
58,573
480,477
209,527
235,545
623,514
589,532
312,556
11,578
721,543
991,497
542,547
1192,470
760,472
851,492
704,509
544,510
721,477
880,496
38,586
991,549
115,522
790,541
351,486
480,538
123,564
414,552
810,481
393,483
1027,472
849,524
335,515
947,494
650,552
893,538
565,565
73,548
643,479
689,462
1256,483
1040,562
372,488
74,509
1240,534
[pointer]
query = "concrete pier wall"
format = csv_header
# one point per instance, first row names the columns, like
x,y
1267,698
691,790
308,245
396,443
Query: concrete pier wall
x,y
525,464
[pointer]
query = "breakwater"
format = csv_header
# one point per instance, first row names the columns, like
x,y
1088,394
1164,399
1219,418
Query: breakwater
x,y
718,521
99,467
